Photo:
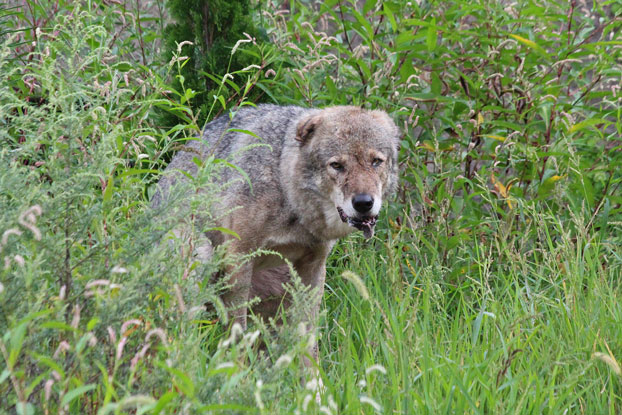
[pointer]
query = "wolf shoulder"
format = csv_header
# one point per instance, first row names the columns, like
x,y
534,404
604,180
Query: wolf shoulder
x,y
252,132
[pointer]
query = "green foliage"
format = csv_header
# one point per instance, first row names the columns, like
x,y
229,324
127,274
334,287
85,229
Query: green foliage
x,y
96,315
213,29
492,286
503,107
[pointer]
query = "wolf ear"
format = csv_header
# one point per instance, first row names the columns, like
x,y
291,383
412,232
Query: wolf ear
x,y
307,127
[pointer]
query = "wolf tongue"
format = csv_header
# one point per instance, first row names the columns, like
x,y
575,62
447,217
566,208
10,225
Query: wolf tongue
x,y
368,230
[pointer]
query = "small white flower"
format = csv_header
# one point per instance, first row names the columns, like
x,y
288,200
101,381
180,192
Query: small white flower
x,y
251,337
19,260
180,45
306,402
371,402
249,67
312,385
225,365
127,324
239,42
376,368
283,361
117,269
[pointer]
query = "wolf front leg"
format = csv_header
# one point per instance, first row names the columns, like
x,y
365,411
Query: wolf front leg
x,y
312,271
236,297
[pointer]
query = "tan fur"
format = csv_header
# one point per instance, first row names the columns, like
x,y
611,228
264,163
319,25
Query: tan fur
x,y
302,196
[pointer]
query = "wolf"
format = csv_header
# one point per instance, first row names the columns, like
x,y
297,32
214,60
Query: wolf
x,y
304,178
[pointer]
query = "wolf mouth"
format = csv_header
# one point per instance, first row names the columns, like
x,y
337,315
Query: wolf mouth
x,y
365,224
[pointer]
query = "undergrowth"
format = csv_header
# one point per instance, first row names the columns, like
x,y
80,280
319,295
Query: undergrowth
x,y
491,286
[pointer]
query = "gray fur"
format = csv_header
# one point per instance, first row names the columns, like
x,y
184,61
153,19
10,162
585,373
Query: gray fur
x,y
299,204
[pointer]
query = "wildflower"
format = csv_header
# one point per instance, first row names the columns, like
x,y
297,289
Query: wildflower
x,y
62,347
306,401
239,42
371,402
357,282
76,317
283,361
139,355
260,404
182,44
312,385
117,269
48,389
92,339
133,322
376,368
157,332
251,337
236,330
28,220
225,365
111,335
249,67
120,347
610,361
6,234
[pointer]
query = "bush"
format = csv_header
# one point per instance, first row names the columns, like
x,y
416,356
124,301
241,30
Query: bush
x,y
504,107
492,285
212,29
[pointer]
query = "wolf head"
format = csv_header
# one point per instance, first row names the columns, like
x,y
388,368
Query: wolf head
x,y
349,158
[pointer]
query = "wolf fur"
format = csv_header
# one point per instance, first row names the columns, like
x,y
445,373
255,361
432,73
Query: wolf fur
x,y
320,175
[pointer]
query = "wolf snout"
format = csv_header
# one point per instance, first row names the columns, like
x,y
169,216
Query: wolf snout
x,y
362,202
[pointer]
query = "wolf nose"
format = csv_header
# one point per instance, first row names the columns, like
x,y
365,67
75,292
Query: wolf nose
x,y
362,202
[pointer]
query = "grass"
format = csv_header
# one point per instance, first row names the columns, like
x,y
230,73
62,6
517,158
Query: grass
x,y
492,285
517,333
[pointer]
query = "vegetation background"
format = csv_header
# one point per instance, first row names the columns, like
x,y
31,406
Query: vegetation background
x,y
494,280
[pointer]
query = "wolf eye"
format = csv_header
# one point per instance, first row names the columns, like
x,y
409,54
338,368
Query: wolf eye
x,y
376,162
336,166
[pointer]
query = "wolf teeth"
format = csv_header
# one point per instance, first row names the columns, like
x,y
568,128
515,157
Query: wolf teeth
x,y
342,215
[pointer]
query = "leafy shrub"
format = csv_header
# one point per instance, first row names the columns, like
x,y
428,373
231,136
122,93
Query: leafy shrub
x,y
96,315
212,29
493,285
503,106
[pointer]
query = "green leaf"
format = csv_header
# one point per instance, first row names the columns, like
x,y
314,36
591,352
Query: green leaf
x,y
239,130
238,169
163,401
57,325
495,137
224,230
432,36
4,375
109,189
51,364
389,13
73,394
531,44
92,323
587,123
17,339
24,408
547,185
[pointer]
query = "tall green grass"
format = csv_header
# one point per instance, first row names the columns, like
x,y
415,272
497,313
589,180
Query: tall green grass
x,y
493,282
